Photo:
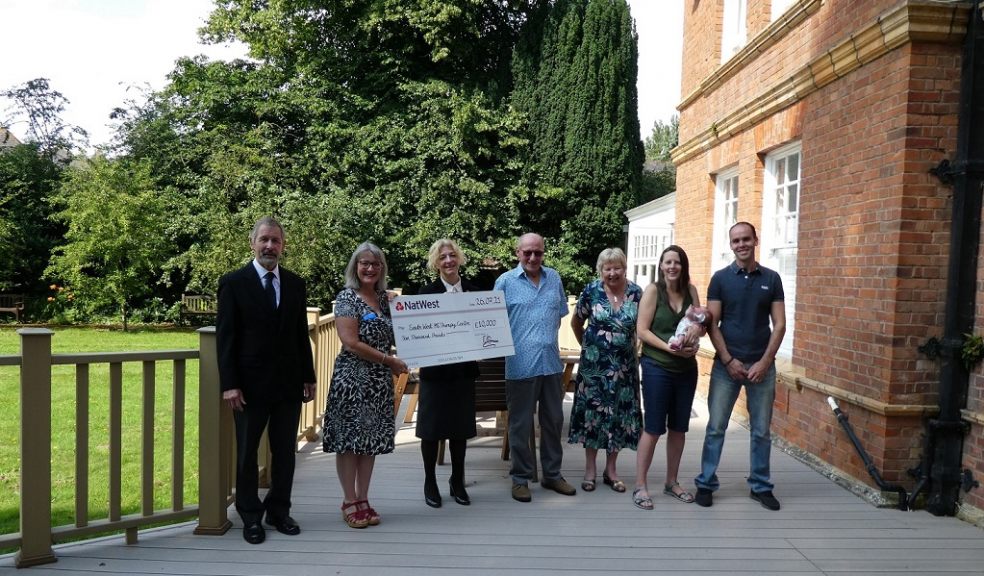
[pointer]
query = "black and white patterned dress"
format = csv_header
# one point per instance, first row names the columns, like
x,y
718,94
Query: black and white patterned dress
x,y
359,416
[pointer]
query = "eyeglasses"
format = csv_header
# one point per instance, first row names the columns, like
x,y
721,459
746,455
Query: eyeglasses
x,y
528,253
370,265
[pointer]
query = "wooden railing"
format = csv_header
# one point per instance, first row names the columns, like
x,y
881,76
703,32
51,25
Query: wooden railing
x,y
216,455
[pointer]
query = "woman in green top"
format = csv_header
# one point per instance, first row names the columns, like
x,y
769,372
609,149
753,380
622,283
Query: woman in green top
x,y
669,377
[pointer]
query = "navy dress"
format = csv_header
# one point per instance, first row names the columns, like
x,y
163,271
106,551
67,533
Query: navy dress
x,y
446,407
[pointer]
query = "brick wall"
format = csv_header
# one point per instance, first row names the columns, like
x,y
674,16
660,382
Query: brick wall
x,y
974,442
834,21
701,43
873,230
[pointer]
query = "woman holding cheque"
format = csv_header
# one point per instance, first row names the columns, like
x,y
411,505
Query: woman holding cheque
x,y
359,421
446,408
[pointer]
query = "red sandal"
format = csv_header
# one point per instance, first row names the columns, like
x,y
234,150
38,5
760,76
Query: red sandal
x,y
371,515
354,515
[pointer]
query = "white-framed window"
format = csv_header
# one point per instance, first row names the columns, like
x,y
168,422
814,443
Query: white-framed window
x,y
725,216
779,7
646,248
734,29
780,226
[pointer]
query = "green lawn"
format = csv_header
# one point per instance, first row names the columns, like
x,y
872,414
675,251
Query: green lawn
x,y
70,340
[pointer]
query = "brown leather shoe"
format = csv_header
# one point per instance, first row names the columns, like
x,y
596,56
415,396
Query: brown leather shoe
x,y
560,486
521,493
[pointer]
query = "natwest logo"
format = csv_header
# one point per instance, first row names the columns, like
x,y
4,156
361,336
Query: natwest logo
x,y
418,305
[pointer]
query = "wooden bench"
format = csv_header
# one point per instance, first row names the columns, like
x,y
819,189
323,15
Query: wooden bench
x,y
490,390
198,306
490,396
13,303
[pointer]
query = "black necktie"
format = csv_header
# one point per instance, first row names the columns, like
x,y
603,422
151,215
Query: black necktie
x,y
270,292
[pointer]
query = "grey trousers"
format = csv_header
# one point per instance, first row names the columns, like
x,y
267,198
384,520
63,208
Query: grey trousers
x,y
522,397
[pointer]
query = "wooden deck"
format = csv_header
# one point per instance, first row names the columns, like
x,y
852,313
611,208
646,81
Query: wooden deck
x,y
822,529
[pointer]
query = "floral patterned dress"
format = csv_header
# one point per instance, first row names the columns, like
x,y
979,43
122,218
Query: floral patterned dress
x,y
359,416
606,414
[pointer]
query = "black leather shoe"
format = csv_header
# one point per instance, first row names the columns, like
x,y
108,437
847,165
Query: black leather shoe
x,y
254,533
704,497
459,494
766,499
432,496
285,525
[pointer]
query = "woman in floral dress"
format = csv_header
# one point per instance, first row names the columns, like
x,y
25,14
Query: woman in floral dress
x,y
605,415
359,421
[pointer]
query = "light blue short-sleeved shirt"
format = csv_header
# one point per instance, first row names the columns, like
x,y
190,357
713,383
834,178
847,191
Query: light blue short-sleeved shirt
x,y
534,318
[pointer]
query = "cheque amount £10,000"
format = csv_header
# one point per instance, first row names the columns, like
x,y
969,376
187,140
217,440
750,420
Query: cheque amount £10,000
x,y
462,326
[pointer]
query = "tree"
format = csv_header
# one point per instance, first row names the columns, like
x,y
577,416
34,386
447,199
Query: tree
x,y
575,72
663,139
659,174
27,178
29,174
40,107
118,235
377,120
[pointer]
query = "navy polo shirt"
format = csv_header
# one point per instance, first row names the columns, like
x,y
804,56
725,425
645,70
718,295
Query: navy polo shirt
x,y
746,308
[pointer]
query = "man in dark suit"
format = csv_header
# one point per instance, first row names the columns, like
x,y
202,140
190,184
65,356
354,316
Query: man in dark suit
x,y
266,371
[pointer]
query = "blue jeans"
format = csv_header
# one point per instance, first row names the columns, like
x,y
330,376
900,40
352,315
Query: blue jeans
x,y
720,403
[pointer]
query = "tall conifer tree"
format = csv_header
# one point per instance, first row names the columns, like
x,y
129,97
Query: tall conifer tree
x,y
575,71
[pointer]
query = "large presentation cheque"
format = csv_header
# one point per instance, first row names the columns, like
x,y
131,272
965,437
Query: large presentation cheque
x,y
434,329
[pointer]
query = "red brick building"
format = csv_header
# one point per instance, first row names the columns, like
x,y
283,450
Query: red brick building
x,y
819,122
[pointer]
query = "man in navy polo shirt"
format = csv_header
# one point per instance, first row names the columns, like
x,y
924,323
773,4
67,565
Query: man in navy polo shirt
x,y
742,299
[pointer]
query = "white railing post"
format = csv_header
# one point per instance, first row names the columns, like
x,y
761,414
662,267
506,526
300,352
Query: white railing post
x,y
35,448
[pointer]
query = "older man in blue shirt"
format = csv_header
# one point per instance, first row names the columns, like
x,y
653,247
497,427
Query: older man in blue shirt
x,y
535,303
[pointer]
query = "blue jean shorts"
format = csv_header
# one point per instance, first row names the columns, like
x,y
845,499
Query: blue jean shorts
x,y
668,397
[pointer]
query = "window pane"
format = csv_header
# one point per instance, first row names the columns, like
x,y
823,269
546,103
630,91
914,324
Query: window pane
x,y
794,160
792,199
780,6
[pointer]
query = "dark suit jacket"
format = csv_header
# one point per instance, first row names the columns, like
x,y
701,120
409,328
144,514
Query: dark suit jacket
x,y
448,371
264,353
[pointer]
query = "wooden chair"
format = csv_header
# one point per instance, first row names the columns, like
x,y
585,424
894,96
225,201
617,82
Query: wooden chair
x,y
490,396
412,392
399,387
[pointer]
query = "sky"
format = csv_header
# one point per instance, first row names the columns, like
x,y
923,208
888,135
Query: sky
x,y
96,51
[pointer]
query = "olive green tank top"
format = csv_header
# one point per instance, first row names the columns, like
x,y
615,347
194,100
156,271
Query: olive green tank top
x,y
664,325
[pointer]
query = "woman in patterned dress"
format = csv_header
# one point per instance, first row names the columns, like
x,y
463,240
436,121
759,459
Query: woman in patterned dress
x,y
605,414
669,377
359,421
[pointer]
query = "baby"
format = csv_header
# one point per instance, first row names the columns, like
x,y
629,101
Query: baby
x,y
692,325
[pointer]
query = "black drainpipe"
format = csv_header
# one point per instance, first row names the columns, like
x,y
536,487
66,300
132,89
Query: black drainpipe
x,y
946,432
